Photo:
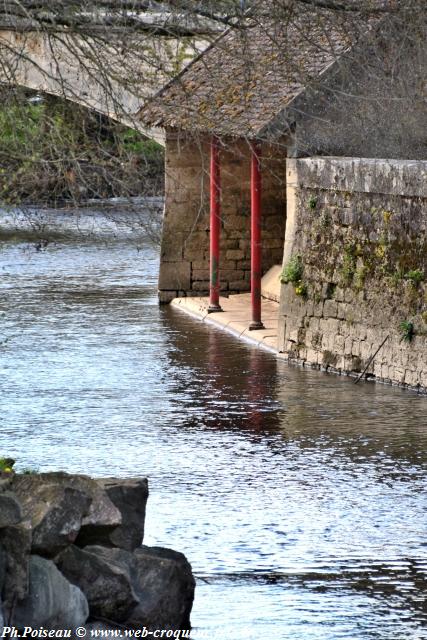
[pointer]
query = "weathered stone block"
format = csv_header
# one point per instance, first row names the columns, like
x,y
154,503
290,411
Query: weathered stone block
x,y
175,276
172,248
238,233
314,324
327,340
200,274
333,326
329,359
358,331
399,374
272,243
318,309
201,286
339,294
231,274
348,347
239,285
236,223
342,311
200,264
165,297
366,350
196,253
339,344
243,264
234,254
230,244
330,309
312,356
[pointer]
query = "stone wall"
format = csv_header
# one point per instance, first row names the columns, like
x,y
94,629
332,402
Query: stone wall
x,y
184,266
357,246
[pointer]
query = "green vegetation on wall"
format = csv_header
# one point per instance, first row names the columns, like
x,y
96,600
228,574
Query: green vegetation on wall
x,y
292,273
360,247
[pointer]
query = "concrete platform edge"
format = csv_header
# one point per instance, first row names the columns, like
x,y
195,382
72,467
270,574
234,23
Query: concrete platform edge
x,y
197,308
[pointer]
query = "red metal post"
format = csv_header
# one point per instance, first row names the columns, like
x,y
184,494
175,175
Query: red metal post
x,y
256,250
215,225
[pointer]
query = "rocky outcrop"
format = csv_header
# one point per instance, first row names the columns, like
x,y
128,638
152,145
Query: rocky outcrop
x,y
71,554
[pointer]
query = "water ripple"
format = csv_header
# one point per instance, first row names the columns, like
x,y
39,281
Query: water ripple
x,y
299,498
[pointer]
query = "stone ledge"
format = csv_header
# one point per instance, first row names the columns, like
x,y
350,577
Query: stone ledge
x,y
363,175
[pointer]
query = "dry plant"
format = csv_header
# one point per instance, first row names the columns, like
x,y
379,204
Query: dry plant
x,y
320,76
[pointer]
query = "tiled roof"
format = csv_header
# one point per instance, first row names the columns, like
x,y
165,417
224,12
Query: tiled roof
x,y
249,76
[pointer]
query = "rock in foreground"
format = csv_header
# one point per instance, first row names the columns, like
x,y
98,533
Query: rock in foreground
x,y
70,553
124,587
44,603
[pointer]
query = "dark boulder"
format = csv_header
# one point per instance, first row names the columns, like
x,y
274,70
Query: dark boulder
x,y
52,601
106,585
10,509
130,497
15,544
3,568
164,583
152,587
71,547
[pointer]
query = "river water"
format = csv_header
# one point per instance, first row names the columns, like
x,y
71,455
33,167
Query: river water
x,y
299,498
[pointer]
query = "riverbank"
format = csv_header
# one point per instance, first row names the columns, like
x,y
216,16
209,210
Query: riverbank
x,y
71,554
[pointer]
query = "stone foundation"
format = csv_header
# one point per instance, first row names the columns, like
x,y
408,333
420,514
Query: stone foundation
x,y
359,228
184,266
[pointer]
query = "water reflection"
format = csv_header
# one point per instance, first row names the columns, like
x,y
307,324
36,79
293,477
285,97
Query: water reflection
x,y
298,497
226,385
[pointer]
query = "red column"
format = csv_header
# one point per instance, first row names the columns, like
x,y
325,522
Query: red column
x,y
256,251
215,225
